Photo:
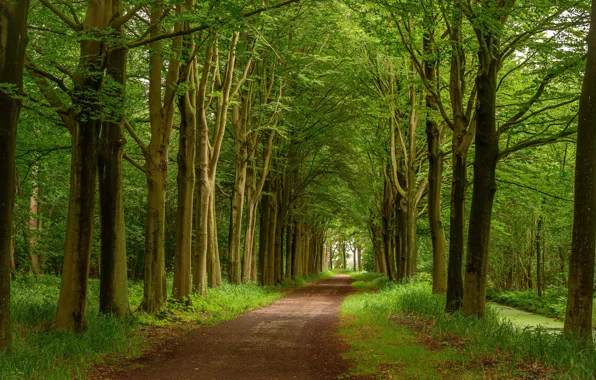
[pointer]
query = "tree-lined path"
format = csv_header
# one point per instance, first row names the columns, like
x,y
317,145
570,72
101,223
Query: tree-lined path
x,y
293,338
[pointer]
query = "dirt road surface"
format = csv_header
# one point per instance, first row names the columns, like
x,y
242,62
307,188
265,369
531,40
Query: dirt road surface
x,y
293,338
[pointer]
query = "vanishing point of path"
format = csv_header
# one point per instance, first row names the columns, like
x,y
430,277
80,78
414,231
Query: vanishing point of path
x,y
293,338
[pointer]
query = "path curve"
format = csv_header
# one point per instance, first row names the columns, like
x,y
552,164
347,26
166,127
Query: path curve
x,y
293,338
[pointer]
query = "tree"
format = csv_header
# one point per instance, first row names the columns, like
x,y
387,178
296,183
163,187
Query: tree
x,y
13,42
578,316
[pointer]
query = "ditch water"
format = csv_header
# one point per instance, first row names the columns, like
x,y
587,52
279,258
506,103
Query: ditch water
x,y
525,319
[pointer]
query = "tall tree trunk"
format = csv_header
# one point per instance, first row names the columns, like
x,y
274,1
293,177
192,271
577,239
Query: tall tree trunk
x,y
239,118
485,162
295,253
156,160
412,210
264,227
199,260
72,301
435,171
539,248
13,42
455,283
113,291
578,316
251,222
182,286
213,262
270,255
280,226
289,242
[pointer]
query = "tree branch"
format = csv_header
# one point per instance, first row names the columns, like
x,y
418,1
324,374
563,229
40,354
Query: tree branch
x,y
72,24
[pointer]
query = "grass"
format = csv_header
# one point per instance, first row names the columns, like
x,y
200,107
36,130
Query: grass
x,y
402,331
41,353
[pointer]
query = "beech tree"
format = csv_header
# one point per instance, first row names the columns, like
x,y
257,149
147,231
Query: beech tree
x,y
13,42
578,316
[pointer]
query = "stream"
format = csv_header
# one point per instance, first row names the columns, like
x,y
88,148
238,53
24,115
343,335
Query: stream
x,y
525,319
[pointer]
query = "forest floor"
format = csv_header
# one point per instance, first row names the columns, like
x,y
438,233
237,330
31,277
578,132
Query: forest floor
x,y
293,338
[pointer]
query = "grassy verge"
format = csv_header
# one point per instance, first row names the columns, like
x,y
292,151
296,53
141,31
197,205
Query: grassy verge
x,y
43,354
401,331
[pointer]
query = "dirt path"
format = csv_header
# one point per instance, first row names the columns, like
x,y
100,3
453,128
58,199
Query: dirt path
x,y
293,338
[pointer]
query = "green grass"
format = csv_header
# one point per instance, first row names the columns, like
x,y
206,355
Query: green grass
x,y
490,346
41,353
369,281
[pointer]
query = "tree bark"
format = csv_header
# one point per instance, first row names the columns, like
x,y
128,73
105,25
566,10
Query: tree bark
x,y
13,42
578,316
187,105
113,291
485,161
539,247
72,301
239,119
434,136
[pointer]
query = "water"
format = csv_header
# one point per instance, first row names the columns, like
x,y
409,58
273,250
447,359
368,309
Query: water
x,y
524,319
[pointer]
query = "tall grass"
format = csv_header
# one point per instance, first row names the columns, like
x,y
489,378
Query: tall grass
x,y
569,358
41,353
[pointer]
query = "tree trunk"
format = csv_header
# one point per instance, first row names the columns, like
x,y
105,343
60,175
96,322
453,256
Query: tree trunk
x,y
113,292
156,161
250,233
264,234
213,263
199,256
72,301
455,283
289,242
485,161
539,248
182,286
578,317
435,172
241,164
13,42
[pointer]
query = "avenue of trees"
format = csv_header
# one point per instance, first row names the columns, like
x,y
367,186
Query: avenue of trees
x,y
255,141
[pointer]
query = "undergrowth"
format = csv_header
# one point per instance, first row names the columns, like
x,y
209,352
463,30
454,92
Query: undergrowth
x,y
511,347
40,353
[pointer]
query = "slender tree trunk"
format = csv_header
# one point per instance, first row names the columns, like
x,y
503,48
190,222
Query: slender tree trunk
x,y
182,286
485,162
455,283
241,163
156,162
249,235
279,236
578,317
113,292
13,42
539,248
289,242
264,234
199,266
295,253
435,172
213,262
